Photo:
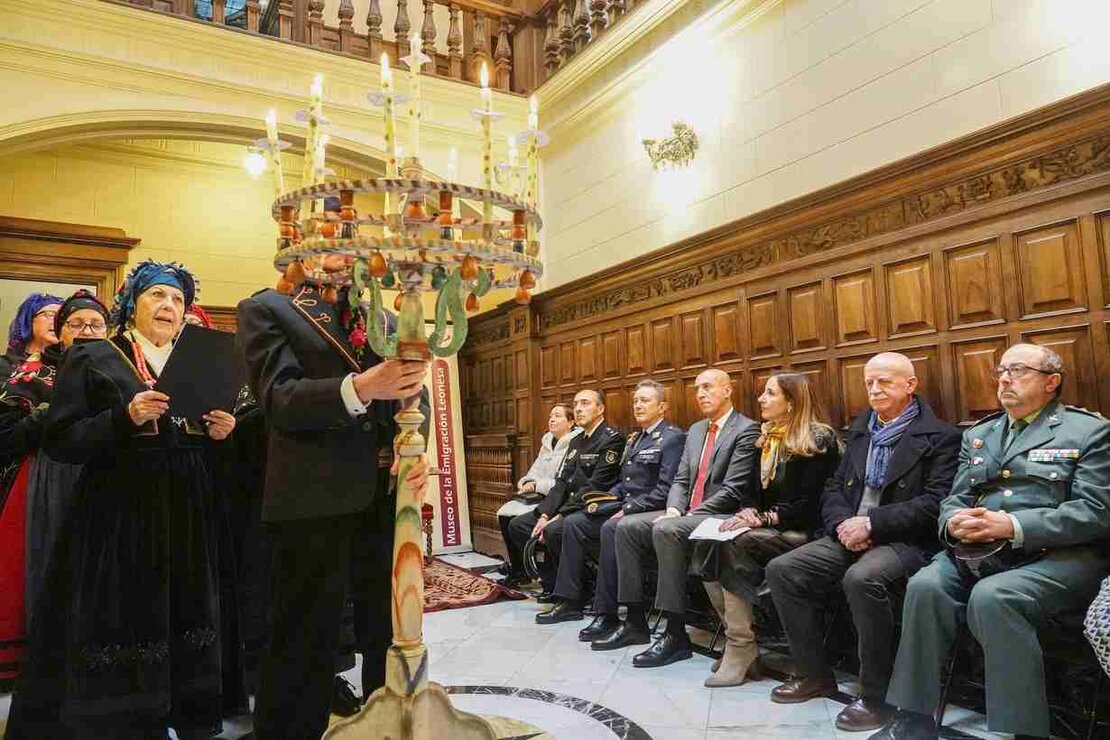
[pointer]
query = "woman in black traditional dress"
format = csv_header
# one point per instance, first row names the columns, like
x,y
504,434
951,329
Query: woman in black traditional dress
x,y
50,482
22,399
126,640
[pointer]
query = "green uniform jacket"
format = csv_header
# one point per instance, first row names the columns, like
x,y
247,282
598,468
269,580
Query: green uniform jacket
x,y
1054,478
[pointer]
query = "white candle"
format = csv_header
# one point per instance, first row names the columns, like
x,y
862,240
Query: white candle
x,y
312,138
275,153
414,89
512,150
487,142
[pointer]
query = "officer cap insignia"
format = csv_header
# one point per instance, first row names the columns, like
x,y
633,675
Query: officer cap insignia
x,y
611,456
976,443
572,454
591,509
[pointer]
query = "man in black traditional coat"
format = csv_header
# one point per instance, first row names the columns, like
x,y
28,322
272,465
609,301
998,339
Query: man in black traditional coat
x,y
329,403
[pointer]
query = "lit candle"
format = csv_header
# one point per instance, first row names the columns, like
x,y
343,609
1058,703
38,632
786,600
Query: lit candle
x,y
531,186
512,150
275,152
312,140
415,63
487,143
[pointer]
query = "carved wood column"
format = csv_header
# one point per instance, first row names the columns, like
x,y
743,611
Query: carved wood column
x,y
315,22
374,30
581,25
219,11
616,9
551,58
253,11
454,44
566,29
346,25
598,18
479,47
428,37
503,57
183,7
285,19
401,29
523,376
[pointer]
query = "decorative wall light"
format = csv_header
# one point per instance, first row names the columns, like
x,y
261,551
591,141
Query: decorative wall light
x,y
254,162
676,150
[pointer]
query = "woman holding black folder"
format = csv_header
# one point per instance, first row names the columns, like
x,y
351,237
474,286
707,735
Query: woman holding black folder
x,y
126,641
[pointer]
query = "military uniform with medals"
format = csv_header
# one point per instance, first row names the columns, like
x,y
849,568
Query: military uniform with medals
x,y
592,464
1051,473
648,467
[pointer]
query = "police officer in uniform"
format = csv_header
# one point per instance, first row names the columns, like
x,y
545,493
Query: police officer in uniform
x,y
648,465
592,464
1025,530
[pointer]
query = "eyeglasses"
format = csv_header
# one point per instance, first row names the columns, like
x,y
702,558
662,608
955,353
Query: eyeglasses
x,y
1019,370
78,326
47,314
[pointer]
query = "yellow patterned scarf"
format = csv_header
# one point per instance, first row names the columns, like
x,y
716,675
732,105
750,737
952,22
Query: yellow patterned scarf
x,y
772,449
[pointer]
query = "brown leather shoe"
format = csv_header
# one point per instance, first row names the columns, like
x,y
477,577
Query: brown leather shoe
x,y
864,714
797,690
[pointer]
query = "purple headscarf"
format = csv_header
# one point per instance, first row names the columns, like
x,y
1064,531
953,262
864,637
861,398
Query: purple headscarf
x,y
22,328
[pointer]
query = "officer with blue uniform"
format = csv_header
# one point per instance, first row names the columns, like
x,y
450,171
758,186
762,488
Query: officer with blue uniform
x,y
648,465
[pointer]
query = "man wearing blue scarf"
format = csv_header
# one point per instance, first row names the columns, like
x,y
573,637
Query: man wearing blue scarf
x,y
879,512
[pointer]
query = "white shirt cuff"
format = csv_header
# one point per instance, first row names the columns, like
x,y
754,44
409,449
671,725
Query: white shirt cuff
x,y
355,407
1018,539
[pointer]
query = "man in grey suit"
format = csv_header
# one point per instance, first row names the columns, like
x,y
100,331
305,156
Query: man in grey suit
x,y
718,475
1026,529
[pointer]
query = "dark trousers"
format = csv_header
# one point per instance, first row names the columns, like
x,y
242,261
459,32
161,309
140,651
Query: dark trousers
x,y
1003,613
516,556
520,531
803,580
581,534
314,560
671,539
634,555
605,592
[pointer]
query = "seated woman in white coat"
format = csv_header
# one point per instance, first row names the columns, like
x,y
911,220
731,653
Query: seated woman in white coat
x,y
535,484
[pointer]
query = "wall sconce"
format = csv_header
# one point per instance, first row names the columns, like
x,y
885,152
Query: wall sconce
x,y
673,151
254,163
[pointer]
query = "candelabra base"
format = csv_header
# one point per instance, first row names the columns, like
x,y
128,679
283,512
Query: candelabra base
x,y
409,707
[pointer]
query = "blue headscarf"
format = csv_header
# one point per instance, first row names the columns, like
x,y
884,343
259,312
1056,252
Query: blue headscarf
x,y
144,276
22,329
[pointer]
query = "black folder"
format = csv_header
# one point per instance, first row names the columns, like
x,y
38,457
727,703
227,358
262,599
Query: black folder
x,y
202,373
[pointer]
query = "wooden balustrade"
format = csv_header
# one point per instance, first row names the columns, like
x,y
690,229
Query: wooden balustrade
x,y
520,51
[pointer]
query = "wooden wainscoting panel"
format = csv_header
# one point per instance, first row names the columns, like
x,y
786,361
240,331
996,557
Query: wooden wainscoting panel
x,y
637,348
909,298
854,303
807,316
976,387
521,378
549,367
1102,225
611,354
692,333
567,362
818,374
852,388
1050,270
1073,344
618,408
587,360
926,366
763,326
973,275
663,346
726,332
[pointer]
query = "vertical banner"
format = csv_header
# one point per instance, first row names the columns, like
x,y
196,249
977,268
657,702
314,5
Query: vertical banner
x,y
447,491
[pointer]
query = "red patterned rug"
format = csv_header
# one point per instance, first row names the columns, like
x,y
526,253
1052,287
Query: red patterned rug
x,y
448,586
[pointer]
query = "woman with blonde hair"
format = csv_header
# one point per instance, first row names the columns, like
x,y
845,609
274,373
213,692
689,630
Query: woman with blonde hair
x,y
798,452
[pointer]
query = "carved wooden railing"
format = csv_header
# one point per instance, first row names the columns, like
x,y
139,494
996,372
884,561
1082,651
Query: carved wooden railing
x,y
477,31
522,51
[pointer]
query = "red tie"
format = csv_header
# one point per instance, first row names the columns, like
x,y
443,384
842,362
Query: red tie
x,y
703,467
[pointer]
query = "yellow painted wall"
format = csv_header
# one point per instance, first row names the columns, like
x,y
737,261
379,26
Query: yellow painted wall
x,y
789,96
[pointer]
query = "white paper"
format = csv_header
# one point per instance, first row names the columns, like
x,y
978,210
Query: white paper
x,y
709,530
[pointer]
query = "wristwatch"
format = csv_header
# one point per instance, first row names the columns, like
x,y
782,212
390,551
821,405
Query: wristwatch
x,y
867,523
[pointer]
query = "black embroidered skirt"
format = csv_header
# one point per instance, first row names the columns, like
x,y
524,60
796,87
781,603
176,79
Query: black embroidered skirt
x,y
127,634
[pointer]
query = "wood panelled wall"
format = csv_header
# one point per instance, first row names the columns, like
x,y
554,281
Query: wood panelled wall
x,y
949,257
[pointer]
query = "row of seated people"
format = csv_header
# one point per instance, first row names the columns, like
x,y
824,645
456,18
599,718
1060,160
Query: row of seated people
x,y
1001,530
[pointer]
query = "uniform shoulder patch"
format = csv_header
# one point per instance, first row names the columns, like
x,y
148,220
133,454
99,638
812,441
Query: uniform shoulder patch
x,y
988,417
1086,412
614,433
572,453
610,456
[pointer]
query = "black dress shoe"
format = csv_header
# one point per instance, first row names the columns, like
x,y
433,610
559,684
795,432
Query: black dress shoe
x,y
603,624
564,611
666,650
796,690
907,726
344,701
864,714
624,635
546,597
516,580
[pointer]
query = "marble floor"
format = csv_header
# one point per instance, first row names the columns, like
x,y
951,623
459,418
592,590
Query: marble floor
x,y
498,662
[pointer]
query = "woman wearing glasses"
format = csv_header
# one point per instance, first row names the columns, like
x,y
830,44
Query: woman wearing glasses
x,y
22,400
50,482
127,637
